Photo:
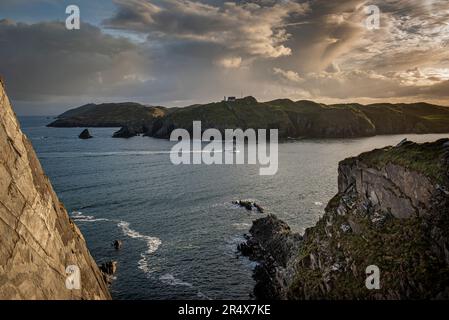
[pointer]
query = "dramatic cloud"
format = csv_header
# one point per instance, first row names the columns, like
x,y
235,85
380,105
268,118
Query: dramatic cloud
x,y
179,52
288,75
45,60
251,27
231,63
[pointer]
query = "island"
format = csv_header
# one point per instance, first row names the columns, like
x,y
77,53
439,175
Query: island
x,y
293,119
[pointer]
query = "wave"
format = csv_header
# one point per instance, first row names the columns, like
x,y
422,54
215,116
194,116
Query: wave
x,y
152,243
169,279
242,226
78,216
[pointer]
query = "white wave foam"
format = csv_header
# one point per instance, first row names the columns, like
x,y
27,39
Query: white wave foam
x,y
78,216
170,280
153,244
202,296
242,226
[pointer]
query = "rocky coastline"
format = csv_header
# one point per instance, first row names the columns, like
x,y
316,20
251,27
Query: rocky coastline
x,y
391,211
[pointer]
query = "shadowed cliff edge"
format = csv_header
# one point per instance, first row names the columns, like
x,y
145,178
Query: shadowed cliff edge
x,y
38,241
391,210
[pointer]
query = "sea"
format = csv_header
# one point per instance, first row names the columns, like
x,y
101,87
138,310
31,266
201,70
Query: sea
x,y
178,224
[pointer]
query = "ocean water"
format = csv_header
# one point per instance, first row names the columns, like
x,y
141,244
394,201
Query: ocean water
x,y
178,225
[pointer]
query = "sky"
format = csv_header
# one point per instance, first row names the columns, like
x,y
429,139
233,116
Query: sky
x,y
182,52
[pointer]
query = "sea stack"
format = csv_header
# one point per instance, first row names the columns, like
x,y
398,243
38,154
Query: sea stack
x,y
39,242
85,135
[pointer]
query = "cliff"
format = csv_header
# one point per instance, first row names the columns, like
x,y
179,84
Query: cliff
x,y
38,241
293,119
129,114
391,211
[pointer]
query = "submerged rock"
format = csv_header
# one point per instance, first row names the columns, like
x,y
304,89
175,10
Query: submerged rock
x,y
85,134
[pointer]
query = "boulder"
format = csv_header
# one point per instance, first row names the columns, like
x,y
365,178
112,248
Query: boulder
x,y
85,134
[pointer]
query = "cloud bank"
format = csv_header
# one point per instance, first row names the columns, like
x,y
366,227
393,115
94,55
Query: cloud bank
x,y
177,52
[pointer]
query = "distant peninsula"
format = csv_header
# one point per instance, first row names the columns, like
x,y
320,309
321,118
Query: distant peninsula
x,y
293,119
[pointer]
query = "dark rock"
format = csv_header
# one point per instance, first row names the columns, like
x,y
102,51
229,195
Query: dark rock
x,y
126,132
246,204
118,244
108,269
272,244
85,134
249,205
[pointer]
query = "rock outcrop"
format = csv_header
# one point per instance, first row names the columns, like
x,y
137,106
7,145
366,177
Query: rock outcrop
x,y
249,205
108,269
391,211
85,134
274,244
127,132
38,241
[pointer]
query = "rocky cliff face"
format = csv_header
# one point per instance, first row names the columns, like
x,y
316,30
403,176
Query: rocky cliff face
x,y
38,241
392,211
